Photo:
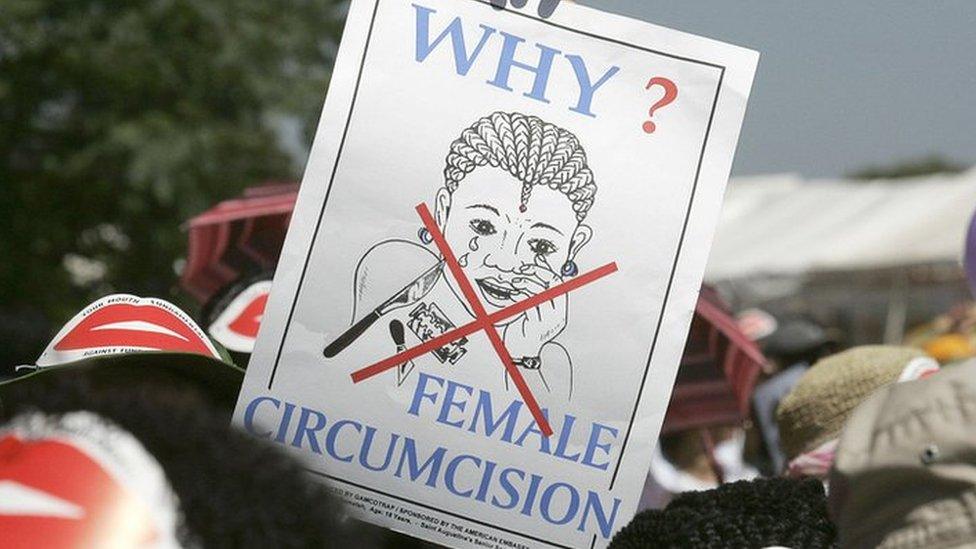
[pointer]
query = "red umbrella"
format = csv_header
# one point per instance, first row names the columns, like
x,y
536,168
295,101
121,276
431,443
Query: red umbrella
x,y
237,237
718,371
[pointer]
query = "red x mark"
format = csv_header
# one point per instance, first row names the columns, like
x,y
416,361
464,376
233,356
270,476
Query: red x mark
x,y
483,321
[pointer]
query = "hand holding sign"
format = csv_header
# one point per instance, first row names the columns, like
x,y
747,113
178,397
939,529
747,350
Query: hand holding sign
x,y
546,7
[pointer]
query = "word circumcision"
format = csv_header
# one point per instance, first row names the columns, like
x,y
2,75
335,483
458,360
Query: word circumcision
x,y
458,406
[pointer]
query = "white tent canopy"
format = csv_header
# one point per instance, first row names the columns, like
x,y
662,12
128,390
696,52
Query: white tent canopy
x,y
786,225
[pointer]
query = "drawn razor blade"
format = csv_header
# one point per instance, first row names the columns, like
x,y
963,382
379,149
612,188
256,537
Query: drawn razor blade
x,y
410,294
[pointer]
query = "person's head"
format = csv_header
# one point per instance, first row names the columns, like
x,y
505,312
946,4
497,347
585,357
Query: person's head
x,y
797,340
686,449
160,343
757,513
233,315
812,414
905,475
231,489
515,195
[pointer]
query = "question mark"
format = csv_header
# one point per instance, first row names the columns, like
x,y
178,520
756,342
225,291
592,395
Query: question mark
x,y
670,94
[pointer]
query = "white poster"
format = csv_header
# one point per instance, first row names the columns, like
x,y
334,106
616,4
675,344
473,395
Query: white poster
x,y
492,266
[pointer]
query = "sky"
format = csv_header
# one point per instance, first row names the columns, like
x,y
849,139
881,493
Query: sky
x,y
842,85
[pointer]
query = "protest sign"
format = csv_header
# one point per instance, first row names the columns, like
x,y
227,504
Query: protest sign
x,y
491,269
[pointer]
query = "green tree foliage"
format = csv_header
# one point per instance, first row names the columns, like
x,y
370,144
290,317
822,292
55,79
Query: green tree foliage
x,y
120,119
912,168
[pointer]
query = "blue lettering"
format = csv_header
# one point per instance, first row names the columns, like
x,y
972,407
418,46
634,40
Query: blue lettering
x,y
409,455
605,524
546,503
465,57
587,88
452,468
484,409
533,429
249,414
564,435
306,431
368,443
513,495
462,61
330,439
450,403
530,496
285,423
507,61
594,444
485,481
419,395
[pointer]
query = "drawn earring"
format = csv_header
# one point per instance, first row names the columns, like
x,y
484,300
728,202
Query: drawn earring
x,y
569,269
425,236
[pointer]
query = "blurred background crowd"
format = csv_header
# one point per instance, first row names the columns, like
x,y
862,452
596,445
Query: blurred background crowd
x,y
120,122
154,148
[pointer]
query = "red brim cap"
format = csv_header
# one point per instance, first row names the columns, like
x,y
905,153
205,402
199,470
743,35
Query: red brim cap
x,y
121,339
216,380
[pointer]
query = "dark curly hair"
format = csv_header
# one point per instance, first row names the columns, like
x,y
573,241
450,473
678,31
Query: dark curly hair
x,y
233,490
744,514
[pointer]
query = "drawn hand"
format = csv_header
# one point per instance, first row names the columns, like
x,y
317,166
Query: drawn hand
x,y
546,7
534,328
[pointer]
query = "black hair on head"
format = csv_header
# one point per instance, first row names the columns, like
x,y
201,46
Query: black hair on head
x,y
745,514
234,491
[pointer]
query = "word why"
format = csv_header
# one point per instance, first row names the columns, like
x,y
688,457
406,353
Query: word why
x,y
466,56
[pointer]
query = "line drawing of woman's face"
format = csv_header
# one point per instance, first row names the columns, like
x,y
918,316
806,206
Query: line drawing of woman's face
x,y
495,242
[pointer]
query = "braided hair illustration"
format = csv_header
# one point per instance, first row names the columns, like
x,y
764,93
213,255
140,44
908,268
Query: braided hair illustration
x,y
530,149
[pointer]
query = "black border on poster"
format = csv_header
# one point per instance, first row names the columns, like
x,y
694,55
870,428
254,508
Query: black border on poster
x,y
667,292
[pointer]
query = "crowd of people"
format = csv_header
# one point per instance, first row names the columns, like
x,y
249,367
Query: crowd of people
x,y
867,447
103,443
876,452
119,434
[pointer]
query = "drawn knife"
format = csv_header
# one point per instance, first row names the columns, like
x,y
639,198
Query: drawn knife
x,y
412,293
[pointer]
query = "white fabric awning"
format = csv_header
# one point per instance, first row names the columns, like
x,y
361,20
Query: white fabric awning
x,y
783,224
